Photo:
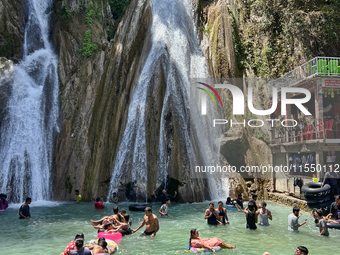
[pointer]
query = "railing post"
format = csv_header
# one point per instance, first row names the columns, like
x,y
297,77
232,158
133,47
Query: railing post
x,y
317,66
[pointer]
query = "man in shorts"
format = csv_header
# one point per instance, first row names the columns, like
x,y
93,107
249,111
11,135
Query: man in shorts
x,y
151,223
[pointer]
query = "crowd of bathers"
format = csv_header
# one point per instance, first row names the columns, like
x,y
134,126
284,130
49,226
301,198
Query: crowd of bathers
x,y
119,222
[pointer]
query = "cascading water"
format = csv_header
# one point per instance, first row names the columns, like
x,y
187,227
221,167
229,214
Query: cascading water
x,y
173,48
29,128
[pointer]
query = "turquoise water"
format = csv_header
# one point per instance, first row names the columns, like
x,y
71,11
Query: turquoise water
x,y
54,225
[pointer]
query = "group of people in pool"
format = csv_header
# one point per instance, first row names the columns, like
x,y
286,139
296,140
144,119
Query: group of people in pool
x,y
118,222
77,247
219,215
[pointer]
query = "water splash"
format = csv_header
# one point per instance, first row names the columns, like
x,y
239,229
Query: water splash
x,y
173,49
29,128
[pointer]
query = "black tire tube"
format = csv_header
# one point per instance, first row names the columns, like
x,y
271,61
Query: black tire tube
x,y
330,225
125,232
318,200
138,207
323,205
313,189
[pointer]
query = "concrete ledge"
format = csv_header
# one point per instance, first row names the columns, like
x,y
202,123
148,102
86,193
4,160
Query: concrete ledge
x,y
281,198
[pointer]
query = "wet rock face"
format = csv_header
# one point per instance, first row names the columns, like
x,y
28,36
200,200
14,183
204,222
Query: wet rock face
x,y
95,95
6,78
215,31
13,18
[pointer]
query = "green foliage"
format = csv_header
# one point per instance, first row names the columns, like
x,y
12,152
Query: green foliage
x,y
88,46
118,8
99,15
206,31
280,35
239,48
89,15
66,12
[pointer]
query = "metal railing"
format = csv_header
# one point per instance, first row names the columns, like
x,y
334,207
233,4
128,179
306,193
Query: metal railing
x,y
326,128
319,66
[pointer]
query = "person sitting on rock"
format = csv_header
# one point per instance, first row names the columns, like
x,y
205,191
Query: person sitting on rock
x,y
114,198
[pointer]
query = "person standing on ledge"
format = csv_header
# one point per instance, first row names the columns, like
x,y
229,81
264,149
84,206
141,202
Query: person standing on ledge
x,y
114,198
151,222
24,211
332,179
78,200
165,196
293,224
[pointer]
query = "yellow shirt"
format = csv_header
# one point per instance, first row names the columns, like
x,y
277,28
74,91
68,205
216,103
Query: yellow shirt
x,y
79,198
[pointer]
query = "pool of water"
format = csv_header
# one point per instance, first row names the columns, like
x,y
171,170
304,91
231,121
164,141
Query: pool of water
x,y
54,225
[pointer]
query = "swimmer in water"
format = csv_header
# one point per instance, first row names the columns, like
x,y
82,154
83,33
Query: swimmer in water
x,y
222,213
164,208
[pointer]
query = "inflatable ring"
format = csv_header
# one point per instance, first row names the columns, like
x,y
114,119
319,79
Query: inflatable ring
x,y
230,207
138,207
204,250
115,236
331,225
111,244
323,205
314,189
318,200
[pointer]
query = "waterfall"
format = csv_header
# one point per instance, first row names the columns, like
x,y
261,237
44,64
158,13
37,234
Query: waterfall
x,y
30,126
174,52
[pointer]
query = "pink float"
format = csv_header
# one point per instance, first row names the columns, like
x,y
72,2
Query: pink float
x,y
114,236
